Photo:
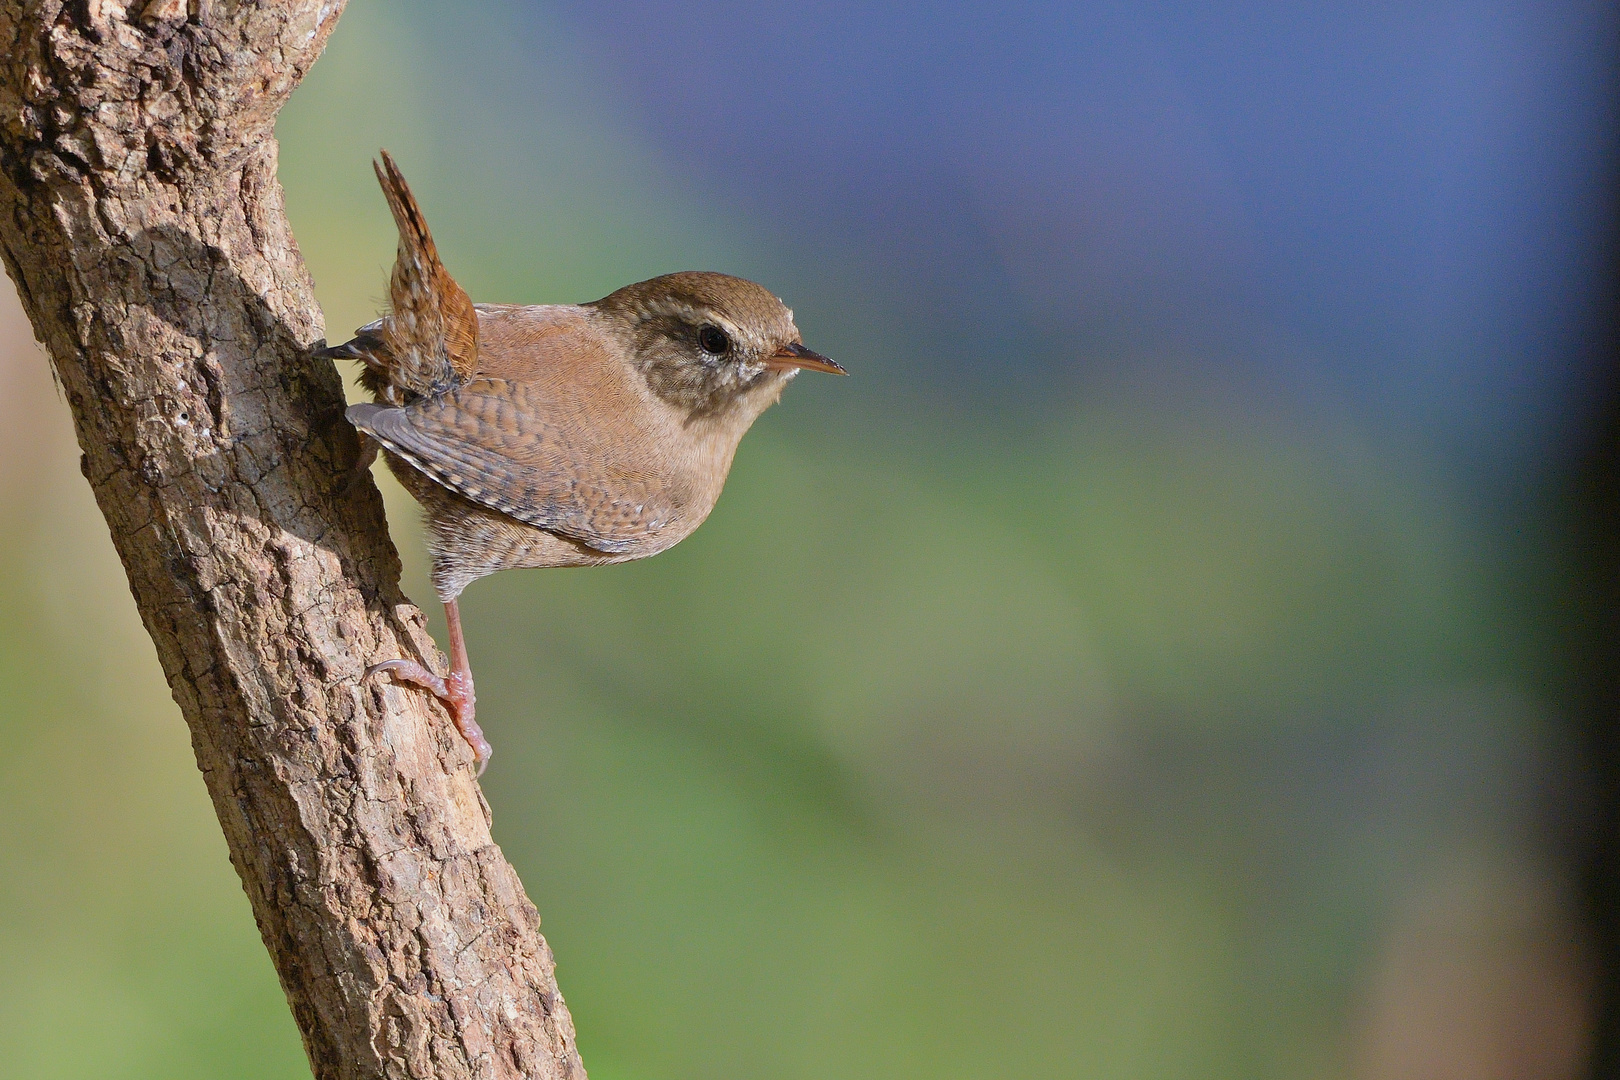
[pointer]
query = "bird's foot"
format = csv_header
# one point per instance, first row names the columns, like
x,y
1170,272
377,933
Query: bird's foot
x,y
457,694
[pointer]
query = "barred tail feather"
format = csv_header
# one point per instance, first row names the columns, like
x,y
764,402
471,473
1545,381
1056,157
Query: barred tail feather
x,y
428,342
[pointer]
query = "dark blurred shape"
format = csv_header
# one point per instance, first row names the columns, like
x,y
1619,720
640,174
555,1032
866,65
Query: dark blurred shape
x,y
1596,643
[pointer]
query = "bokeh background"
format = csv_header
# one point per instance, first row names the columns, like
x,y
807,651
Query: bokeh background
x,y
1155,661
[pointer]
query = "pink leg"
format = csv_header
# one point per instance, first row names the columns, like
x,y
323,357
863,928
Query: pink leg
x,y
456,691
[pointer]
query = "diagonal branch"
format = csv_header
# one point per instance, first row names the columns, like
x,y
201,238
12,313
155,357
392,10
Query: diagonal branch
x,y
142,223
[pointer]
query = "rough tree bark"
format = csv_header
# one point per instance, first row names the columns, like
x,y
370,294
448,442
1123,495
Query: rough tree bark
x,y
142,223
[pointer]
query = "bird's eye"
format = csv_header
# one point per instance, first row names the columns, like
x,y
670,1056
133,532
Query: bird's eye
x,y
713,339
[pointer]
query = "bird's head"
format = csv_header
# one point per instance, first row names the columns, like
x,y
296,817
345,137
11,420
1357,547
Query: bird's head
x,y
710,342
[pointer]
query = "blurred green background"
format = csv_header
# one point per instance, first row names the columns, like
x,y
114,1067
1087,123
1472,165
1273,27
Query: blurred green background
x,y
1141,720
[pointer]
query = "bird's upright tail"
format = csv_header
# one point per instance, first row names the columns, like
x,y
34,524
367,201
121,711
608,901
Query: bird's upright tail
x,y
428,342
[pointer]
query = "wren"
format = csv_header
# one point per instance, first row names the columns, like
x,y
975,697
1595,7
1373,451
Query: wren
x,y
557,434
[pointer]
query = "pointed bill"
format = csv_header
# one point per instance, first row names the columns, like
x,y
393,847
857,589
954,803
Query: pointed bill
x,y
797,356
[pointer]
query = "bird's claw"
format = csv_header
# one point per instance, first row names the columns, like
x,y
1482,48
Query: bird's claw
x,y
456,692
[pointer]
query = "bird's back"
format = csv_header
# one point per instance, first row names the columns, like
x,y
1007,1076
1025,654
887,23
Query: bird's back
x,y
561,351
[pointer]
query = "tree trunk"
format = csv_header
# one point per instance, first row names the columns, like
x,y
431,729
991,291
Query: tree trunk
x,y
142,223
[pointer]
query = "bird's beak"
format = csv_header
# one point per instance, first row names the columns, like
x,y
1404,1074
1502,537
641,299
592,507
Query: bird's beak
x,y
797,356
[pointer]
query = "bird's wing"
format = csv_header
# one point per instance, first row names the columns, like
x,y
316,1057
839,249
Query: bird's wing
x,y
495,442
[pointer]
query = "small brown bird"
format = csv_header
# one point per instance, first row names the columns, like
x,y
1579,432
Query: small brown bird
x,y
558,434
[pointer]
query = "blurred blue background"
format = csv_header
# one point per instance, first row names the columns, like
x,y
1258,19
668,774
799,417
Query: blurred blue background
x,y
1154,661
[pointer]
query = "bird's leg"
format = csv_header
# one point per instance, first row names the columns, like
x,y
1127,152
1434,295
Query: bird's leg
x,y
456,691
460,687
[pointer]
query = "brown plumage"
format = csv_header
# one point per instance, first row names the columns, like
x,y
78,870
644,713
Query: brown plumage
x,y
559,435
